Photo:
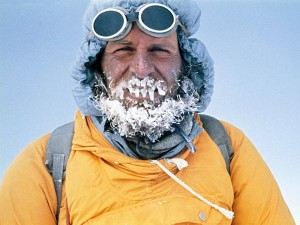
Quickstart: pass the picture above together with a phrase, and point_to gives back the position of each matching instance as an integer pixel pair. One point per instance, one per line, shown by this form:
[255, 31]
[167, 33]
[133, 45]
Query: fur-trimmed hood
[197, 60]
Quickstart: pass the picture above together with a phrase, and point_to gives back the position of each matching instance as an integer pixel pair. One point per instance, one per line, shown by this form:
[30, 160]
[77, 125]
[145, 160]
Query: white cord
[225, 212]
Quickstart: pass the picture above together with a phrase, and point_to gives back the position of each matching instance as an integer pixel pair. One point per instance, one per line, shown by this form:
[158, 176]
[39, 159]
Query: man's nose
[141, 65]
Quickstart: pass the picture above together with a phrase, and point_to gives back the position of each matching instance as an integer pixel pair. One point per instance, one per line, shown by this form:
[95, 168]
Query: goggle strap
[185, 30]
[131, 17]
[89, 36]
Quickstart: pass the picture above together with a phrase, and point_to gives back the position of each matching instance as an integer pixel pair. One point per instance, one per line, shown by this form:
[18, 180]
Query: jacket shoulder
[27, 188]
[253, 183]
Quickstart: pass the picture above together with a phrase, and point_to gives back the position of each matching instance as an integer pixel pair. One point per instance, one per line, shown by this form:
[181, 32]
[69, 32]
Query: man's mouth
[146, 88]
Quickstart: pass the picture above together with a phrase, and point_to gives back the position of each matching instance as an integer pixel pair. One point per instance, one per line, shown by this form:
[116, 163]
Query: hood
[196, 57]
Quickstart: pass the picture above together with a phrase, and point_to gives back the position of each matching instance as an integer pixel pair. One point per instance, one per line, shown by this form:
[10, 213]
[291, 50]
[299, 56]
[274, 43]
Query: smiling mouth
[146, 87]
[145, 94]
[140, 90]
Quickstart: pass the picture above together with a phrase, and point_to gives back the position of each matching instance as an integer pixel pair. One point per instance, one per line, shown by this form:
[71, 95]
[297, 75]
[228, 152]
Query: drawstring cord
[138, 145]
[228, 214]
[187, 140]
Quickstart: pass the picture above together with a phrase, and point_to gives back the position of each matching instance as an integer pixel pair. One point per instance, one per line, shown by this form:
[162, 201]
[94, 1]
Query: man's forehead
[149, 45]
[137, 36]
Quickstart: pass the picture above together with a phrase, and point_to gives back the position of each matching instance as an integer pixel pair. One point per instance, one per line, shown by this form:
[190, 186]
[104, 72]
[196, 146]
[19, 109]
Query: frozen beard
[148, 119]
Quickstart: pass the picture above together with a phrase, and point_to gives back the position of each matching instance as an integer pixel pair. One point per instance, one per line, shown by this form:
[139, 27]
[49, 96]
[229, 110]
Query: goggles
[154, 19]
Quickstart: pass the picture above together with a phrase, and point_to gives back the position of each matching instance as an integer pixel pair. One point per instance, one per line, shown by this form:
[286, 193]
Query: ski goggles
[154, 19]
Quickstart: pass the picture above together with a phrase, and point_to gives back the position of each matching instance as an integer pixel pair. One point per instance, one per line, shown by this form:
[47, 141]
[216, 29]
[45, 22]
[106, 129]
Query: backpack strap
[219, 135]
[57, 155]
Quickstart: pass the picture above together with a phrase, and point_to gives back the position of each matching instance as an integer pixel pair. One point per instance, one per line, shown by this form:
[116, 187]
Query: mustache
[147, 86]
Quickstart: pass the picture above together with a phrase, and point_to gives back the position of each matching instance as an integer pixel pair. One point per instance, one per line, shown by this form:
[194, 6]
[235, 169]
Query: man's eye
[158, 49]
[125, 49]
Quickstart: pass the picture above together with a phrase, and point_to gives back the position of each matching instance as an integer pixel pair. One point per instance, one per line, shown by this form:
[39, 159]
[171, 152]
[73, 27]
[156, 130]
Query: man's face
[141, 68]
[143, 78]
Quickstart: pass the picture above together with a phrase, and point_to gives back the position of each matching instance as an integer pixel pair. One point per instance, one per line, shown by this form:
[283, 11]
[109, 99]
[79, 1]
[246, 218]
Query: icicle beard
[146, 119]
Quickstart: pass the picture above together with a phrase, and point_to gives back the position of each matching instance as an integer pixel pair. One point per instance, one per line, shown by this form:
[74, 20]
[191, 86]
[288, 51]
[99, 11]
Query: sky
[255, 46]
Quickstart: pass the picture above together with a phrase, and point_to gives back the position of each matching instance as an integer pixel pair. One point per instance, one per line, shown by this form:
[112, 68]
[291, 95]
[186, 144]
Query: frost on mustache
[145, 119]
[145, 87]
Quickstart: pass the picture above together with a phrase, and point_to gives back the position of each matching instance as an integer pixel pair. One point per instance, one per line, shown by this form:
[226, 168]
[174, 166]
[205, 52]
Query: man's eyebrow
[164, 45]
[155, 45]
[122, 42]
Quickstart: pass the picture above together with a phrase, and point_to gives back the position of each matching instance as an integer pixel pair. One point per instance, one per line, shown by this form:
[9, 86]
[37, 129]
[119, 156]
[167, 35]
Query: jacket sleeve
[27, 194]
[257, 198]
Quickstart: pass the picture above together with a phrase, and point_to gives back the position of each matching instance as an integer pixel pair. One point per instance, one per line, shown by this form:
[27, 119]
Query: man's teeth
[137, 92]
[146, 86]
[161, 91]
[143, 83]
[144, 92]
[151, 95]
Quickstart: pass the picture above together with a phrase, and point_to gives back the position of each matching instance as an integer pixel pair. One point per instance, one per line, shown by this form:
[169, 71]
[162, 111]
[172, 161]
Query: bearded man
[139, 153]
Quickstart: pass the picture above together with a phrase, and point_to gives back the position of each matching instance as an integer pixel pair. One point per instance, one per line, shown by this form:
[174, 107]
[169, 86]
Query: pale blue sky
[255, 46]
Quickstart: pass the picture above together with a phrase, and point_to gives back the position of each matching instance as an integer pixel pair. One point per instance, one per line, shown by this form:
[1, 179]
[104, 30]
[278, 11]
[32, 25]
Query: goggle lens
[157, 18]
[108, 23]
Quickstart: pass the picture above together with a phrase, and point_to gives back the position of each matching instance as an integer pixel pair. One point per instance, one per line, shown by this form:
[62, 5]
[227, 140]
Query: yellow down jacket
[103, 186]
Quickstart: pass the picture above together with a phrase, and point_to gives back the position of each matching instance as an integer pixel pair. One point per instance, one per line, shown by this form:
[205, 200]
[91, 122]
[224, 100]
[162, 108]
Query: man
[139, 152]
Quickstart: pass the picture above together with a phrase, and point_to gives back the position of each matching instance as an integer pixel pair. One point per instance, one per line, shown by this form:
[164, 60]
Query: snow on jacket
[103, 186]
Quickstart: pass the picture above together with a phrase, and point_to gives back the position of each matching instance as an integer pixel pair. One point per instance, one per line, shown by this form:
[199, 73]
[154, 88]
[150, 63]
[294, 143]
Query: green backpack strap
[57, 155]
[219, 135]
